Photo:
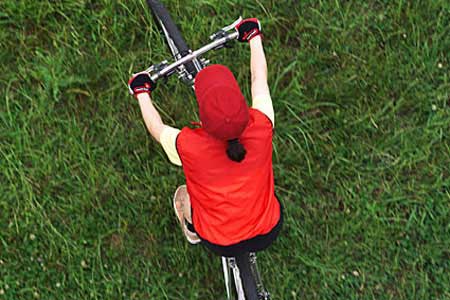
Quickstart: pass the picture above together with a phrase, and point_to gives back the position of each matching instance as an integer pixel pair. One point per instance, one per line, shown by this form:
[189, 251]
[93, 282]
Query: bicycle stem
[191, 56]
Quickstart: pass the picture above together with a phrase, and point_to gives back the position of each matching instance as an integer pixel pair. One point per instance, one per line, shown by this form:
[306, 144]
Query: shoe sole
[183, 226]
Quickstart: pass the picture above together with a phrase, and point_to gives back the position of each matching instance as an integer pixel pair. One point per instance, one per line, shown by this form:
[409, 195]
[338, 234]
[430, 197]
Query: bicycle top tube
[216, 43]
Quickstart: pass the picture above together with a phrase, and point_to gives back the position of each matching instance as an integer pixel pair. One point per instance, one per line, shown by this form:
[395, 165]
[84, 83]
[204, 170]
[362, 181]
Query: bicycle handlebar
[215, 44]
[219, 38]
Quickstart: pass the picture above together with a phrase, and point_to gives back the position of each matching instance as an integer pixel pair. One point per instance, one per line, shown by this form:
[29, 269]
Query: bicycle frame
[229, 265]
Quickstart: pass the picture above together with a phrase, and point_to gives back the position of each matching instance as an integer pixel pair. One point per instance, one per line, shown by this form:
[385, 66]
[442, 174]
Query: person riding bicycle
[228, 203]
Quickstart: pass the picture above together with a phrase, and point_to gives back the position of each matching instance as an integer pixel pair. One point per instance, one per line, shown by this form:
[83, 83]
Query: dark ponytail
[235, 150]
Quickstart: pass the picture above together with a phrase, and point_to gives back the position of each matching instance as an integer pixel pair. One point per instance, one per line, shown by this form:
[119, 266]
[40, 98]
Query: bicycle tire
[161, 14]
[245, 272]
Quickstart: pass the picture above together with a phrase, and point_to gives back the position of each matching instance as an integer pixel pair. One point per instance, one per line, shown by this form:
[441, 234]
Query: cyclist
[228, 203]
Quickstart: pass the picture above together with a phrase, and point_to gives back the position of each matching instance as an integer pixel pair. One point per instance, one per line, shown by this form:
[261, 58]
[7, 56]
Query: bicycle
[241, 270]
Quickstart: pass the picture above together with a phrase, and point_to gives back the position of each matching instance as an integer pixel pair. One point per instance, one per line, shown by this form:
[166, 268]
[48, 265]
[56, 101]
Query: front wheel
[175, 40]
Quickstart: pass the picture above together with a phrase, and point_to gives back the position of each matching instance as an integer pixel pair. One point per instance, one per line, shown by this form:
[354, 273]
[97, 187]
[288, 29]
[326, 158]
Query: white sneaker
[179, 200]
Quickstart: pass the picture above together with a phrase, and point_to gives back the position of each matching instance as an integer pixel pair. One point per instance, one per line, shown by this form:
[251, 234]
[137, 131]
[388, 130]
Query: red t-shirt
[231, 202]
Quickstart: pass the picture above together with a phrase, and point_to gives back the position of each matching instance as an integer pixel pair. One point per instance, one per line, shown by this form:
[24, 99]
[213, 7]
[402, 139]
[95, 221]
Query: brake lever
[223, 32]
[233, 25]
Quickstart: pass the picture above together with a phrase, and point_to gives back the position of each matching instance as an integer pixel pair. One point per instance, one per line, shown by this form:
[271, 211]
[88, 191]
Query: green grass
[361, 92]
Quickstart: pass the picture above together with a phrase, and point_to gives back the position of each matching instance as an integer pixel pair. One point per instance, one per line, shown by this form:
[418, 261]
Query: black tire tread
[161, 13]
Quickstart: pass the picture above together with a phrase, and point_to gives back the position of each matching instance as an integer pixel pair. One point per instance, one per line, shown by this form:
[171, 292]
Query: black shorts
[255, 244]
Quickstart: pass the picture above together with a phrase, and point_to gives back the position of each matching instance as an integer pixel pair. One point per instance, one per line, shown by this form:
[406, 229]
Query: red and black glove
[248, 29]
[141, 83]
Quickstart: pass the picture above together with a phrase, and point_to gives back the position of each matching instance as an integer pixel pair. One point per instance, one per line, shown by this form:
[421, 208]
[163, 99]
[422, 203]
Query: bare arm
[151, 116]
[261, 99]
[258, 66]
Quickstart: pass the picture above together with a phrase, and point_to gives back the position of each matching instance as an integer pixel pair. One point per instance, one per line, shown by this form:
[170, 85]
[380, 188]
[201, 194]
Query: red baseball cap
[223, 109]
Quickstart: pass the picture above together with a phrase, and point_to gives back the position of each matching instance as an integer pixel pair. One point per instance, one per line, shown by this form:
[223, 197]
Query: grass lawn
[361, 91]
